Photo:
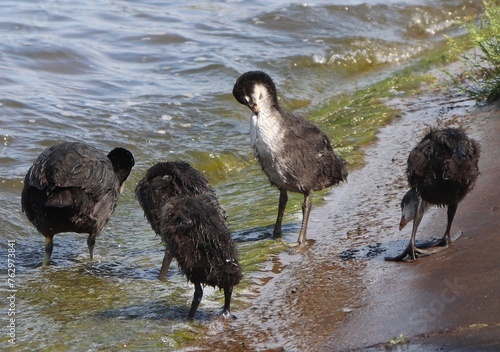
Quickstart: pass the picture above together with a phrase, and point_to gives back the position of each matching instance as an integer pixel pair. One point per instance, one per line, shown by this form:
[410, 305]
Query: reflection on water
[156, 78]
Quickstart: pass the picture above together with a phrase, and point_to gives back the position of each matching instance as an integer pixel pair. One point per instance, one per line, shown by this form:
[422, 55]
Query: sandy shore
[341, 295]
[450, 301]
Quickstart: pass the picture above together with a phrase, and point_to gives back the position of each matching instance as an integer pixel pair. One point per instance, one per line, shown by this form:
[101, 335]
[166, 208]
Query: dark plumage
[73, 187]
[160, 184]
[442, 169]
[183, 209]
[197, 235]
[293, 152]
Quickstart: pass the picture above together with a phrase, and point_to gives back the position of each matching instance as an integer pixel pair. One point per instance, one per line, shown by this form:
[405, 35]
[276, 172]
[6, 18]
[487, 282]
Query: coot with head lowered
[161, 183]
[293, 152]
[197, 235]
[183, 209]
[74, 187]
[441, 170]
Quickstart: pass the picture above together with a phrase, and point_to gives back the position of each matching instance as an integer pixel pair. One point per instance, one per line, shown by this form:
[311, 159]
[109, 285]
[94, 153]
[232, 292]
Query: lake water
[156, 78]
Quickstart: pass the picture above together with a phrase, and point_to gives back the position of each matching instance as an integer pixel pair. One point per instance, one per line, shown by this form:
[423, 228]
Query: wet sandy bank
[450, 301]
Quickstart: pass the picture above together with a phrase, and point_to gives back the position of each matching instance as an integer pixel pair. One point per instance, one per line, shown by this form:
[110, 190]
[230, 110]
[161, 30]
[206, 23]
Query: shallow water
[157, 78]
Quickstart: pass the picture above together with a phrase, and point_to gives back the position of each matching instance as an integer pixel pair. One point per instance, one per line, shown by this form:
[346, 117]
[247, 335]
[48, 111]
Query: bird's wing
[418, 167]
[314, 153]
[310, 134]
[73, 167]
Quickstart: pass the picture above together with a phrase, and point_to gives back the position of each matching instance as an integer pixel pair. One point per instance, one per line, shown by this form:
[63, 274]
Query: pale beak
[255, 108]
[402, 223]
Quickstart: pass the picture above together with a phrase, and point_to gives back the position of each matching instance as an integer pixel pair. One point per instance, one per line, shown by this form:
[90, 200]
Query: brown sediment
[341, 295]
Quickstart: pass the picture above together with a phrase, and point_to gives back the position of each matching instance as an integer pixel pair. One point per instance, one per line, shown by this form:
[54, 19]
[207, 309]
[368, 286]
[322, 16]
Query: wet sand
[340, 295]
[449, 301]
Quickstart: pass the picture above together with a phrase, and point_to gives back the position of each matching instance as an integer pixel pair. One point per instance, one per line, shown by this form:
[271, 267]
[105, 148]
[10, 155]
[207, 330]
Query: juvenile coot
[293, 152]
[73, 187]
[441, 170]
[160, 184]
[196, 234]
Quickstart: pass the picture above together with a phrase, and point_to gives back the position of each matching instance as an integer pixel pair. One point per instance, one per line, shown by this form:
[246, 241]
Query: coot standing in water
[293, 152]
[441, 170]
[197, 235]
[160, 184]
[183, 209]
[74, 187]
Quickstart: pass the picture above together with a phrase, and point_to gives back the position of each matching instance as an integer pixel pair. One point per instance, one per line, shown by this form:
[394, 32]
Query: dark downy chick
[164, 181]
[293, 152]
[74, 187]
[442, 169]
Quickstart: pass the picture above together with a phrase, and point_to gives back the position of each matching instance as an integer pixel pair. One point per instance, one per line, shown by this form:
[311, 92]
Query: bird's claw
[226, 314]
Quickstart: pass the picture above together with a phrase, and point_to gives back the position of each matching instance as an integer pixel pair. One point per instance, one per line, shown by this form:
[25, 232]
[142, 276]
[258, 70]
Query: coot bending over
[160, 184]
[196, 234]
[74, 187]
[441, 170]
[293, 152]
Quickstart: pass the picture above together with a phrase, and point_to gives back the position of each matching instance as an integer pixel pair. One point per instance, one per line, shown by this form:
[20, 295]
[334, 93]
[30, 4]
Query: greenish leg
[49, 246]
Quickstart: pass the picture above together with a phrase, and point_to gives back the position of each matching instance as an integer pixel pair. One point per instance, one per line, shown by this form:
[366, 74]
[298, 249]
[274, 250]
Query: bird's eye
[247, 99]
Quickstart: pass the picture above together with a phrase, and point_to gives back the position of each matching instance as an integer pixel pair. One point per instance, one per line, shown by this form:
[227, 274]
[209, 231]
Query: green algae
[353, 120]
[253, 254]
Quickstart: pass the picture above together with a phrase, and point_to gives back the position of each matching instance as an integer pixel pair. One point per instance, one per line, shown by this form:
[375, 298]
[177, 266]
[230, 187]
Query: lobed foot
[425, 249]
[436, 242]
[440, 242]
[299, 248]
[226, 314]
[419, 252]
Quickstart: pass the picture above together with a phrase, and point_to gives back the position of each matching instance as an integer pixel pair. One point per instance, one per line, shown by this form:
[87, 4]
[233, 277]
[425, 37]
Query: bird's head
[255, 89]
[123, 162]
[409, 207]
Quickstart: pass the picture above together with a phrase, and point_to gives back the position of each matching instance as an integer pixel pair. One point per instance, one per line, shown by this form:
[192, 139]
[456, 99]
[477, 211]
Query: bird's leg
[49, 246]
[412, 251]
[226, 311]
[306, 210]
[91, 244]
[446, 239]
[167, 259]
[198, 295]
[281, 211]
[452, 209]
[301, 241]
